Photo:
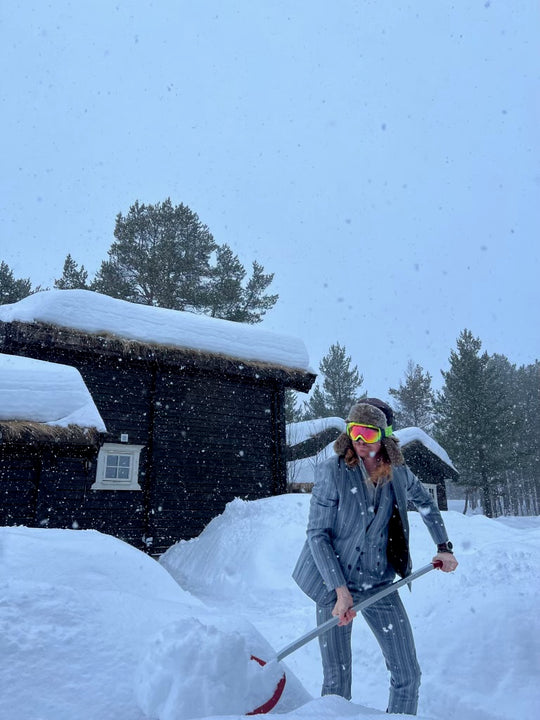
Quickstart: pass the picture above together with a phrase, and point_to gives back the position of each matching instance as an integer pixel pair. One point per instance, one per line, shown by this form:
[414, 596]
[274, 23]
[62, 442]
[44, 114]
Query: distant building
[193, 408]
[310, 442]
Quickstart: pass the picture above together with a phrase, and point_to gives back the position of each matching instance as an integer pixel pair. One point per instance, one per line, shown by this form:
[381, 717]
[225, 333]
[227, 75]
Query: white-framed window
[118, 467]
[432, 490]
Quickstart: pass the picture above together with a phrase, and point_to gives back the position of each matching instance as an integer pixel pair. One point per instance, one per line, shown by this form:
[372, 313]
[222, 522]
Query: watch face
[449, 545]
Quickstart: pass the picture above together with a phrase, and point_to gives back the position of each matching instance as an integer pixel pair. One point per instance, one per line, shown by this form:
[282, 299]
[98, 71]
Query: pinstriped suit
[359, 538]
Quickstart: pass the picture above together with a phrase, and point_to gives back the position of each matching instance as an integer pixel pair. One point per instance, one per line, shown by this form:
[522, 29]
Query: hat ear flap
[391, 445]
[342, 444]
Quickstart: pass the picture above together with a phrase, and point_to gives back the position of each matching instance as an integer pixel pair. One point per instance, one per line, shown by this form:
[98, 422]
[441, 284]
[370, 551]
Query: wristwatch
[445, 547]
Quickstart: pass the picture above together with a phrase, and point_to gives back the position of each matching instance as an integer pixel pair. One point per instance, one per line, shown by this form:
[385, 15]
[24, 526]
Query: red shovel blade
[273, 701]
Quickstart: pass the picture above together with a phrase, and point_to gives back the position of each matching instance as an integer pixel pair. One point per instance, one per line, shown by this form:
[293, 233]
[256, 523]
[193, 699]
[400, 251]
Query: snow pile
[45, 392]
[245, 549]
[93, 629]
[196, 670]
[94, 313]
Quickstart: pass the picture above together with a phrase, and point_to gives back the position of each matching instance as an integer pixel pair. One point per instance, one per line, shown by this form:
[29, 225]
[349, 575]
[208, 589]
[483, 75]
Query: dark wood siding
[19, 483]
[214, 439]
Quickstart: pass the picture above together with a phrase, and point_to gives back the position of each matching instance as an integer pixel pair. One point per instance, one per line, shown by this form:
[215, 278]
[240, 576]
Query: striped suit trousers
[389, 623]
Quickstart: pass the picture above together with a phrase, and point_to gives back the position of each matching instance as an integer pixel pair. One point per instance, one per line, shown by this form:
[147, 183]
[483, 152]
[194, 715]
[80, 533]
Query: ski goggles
[368, 433]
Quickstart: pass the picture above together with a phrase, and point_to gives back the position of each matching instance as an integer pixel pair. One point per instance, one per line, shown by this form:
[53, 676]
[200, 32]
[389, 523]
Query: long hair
[382, 473]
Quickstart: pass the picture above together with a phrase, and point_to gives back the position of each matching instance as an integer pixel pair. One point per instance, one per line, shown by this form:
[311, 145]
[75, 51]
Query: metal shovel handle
[324, 627]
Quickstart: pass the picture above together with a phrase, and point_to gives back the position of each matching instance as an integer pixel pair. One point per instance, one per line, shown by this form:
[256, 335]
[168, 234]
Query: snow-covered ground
[92, 629]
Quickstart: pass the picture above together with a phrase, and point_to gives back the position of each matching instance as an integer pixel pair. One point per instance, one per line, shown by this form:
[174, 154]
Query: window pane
[111, 473]
[124, 460]
[112, 460]
[123, 473]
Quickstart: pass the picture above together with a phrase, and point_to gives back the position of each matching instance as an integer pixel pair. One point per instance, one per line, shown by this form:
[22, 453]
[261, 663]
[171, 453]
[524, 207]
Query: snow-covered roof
[300, 431]
[93, 313]
[410, 434]
[44, 392]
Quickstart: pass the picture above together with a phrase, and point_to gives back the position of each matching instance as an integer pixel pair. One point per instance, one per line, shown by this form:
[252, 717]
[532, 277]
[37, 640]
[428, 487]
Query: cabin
[192, 408]
[310, 442]
[429, 462]
[49, 435]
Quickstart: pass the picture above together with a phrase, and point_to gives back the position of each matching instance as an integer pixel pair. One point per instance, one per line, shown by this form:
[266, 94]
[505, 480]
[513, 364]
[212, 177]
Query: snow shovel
[324, 627]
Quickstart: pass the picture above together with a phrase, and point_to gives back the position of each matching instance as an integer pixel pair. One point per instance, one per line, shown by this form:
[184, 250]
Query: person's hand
[449, 562]
[343, 607]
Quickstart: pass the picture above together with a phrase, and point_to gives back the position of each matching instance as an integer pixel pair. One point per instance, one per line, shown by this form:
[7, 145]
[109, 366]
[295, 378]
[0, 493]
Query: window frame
[110, 449]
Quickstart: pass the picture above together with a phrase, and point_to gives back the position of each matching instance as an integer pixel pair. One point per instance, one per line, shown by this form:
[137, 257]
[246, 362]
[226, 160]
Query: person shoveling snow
[357, 540]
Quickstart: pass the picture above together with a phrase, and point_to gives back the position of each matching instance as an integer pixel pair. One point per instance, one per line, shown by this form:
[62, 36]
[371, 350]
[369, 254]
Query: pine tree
[340, 387]
[12, 290]
[161, 256]
[470, 413]
[521, 491]
[293, 413]
[414, 399]
[255, 303]
[164, 255]
[73, 277]
[229, 299]
[527, 411]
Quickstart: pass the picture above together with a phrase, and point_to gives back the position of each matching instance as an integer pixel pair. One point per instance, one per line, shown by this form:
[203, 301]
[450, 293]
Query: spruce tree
[73, 277]
[293, 413]
[414, 399]
[255, 303]
[521, 492]
[470, 413]
[229, 298]
[340, 388]
[12, 290]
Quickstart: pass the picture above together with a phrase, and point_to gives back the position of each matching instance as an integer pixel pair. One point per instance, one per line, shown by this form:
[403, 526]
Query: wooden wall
[214, 439]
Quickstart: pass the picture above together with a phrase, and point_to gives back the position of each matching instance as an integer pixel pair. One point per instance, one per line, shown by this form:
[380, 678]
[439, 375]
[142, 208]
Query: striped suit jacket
[336, 531]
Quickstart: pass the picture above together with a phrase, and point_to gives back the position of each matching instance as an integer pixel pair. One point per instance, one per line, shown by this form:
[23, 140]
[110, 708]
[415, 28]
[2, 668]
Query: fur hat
[372, 412]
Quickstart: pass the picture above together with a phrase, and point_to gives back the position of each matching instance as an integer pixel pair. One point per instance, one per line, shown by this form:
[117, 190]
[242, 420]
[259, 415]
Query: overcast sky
[380, 157]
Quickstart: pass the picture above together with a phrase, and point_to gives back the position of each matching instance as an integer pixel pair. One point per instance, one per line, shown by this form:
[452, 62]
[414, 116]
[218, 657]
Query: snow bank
[94, 313]
[45, 392]
[236, 545]
[93, 629]
[478, 626]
